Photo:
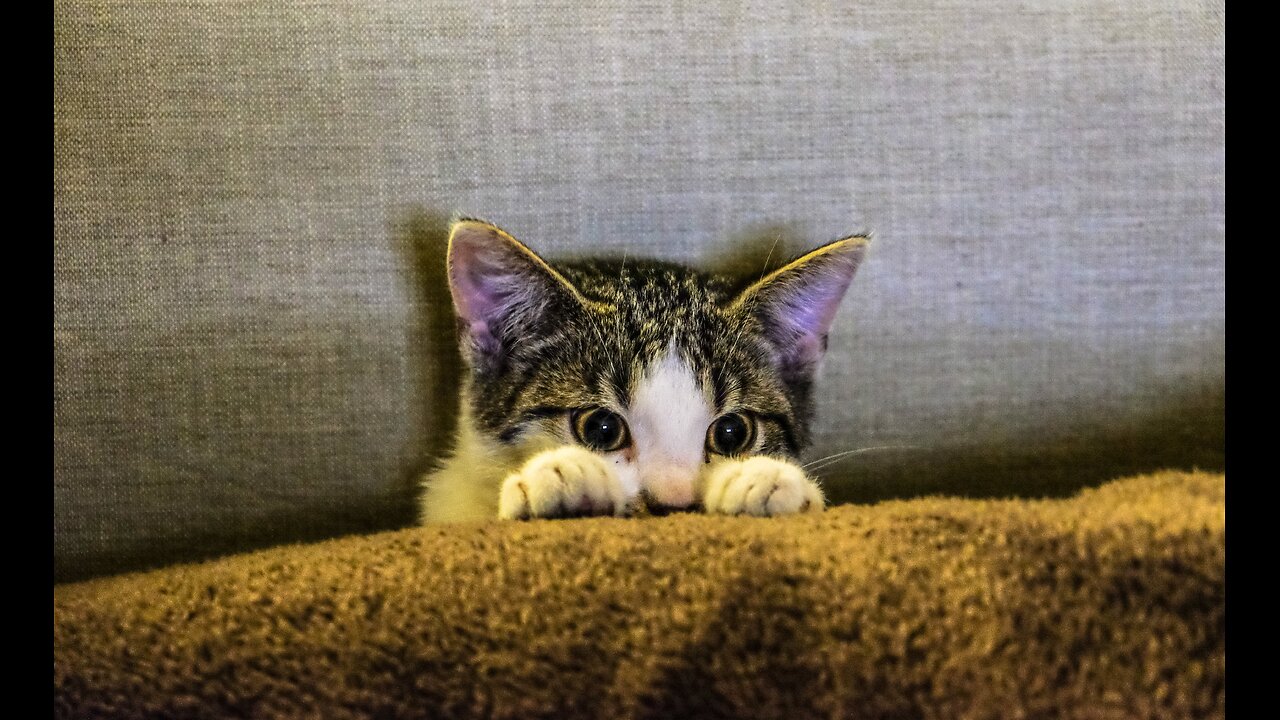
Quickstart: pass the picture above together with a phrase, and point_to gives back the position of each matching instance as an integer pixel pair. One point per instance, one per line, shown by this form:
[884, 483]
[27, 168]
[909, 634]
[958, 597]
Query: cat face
[659, 368]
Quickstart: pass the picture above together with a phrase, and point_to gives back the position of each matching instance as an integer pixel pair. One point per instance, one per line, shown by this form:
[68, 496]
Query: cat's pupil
[730, 434]
[600, 429]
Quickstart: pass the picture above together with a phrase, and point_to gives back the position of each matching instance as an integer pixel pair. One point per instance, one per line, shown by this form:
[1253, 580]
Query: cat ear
[797, 302]
[500, 288]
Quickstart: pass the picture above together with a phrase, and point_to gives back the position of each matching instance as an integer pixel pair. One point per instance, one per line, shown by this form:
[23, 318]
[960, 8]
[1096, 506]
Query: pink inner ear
[497, 284]
[477, 281]
[802, 310]
[811, 313]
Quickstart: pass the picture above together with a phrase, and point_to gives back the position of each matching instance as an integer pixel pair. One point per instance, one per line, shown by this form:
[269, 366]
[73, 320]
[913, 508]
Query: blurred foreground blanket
[1109, 604]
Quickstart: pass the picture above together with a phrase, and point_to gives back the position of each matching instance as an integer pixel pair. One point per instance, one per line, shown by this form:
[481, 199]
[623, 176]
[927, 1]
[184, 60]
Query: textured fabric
[251, 335]
[1107, 605]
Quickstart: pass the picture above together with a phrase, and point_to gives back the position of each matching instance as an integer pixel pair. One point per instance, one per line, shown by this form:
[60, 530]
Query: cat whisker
[829, 460]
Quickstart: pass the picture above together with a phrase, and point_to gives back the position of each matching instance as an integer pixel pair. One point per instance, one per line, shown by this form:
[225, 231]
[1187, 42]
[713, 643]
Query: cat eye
[730, 434]
[600, 429]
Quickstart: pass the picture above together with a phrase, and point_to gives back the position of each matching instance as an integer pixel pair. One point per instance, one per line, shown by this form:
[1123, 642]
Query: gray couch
[252, 338]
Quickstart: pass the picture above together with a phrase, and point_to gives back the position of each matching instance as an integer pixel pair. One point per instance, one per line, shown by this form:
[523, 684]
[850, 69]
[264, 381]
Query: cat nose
[669, 491]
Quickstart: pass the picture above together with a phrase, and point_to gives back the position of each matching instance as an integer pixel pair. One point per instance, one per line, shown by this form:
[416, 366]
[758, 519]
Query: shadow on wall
[418, 239]
[1187, 432]
[422, 241]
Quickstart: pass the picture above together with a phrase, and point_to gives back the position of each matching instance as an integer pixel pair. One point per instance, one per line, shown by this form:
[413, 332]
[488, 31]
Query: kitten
[602, 388]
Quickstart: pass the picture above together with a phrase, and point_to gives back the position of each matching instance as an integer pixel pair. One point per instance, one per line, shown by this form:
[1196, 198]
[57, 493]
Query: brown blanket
[1108, 604]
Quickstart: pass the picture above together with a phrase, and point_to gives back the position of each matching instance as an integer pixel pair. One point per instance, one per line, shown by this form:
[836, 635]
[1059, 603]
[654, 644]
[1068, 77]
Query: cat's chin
[761, 486]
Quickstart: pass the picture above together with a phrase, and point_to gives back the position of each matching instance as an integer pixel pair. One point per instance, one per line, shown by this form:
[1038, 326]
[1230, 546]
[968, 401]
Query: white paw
[761, 486]
[568, 481]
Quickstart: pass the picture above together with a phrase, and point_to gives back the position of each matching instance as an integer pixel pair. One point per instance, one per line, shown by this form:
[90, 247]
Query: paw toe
[566, 482]
[762, 486]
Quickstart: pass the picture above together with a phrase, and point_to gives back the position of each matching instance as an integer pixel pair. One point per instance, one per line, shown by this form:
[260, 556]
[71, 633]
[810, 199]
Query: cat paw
[565, 482]
[761, 486]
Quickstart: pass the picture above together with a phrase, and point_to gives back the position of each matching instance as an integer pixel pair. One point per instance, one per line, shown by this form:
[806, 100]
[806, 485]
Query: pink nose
[670, 489]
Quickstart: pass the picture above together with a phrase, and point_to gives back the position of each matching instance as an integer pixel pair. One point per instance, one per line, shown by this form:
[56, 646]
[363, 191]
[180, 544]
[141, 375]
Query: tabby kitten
[602, 388]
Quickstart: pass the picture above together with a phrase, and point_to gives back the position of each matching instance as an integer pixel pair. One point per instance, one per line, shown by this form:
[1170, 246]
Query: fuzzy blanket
[1109, 604]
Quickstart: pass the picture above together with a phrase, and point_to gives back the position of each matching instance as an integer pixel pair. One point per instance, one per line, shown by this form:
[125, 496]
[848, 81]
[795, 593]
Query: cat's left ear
[797, 303]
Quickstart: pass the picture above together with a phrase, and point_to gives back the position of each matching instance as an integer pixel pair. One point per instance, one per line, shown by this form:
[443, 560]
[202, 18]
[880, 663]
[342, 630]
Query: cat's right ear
[797, 303]
[501, 290]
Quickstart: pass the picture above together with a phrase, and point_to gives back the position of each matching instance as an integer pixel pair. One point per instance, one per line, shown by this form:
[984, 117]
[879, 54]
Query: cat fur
[666, 347]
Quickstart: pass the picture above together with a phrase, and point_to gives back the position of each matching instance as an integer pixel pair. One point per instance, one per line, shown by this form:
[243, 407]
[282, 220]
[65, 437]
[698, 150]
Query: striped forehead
[670, 411]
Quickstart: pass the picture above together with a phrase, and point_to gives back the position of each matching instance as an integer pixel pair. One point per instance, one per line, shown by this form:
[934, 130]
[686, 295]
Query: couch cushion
[252, 340]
